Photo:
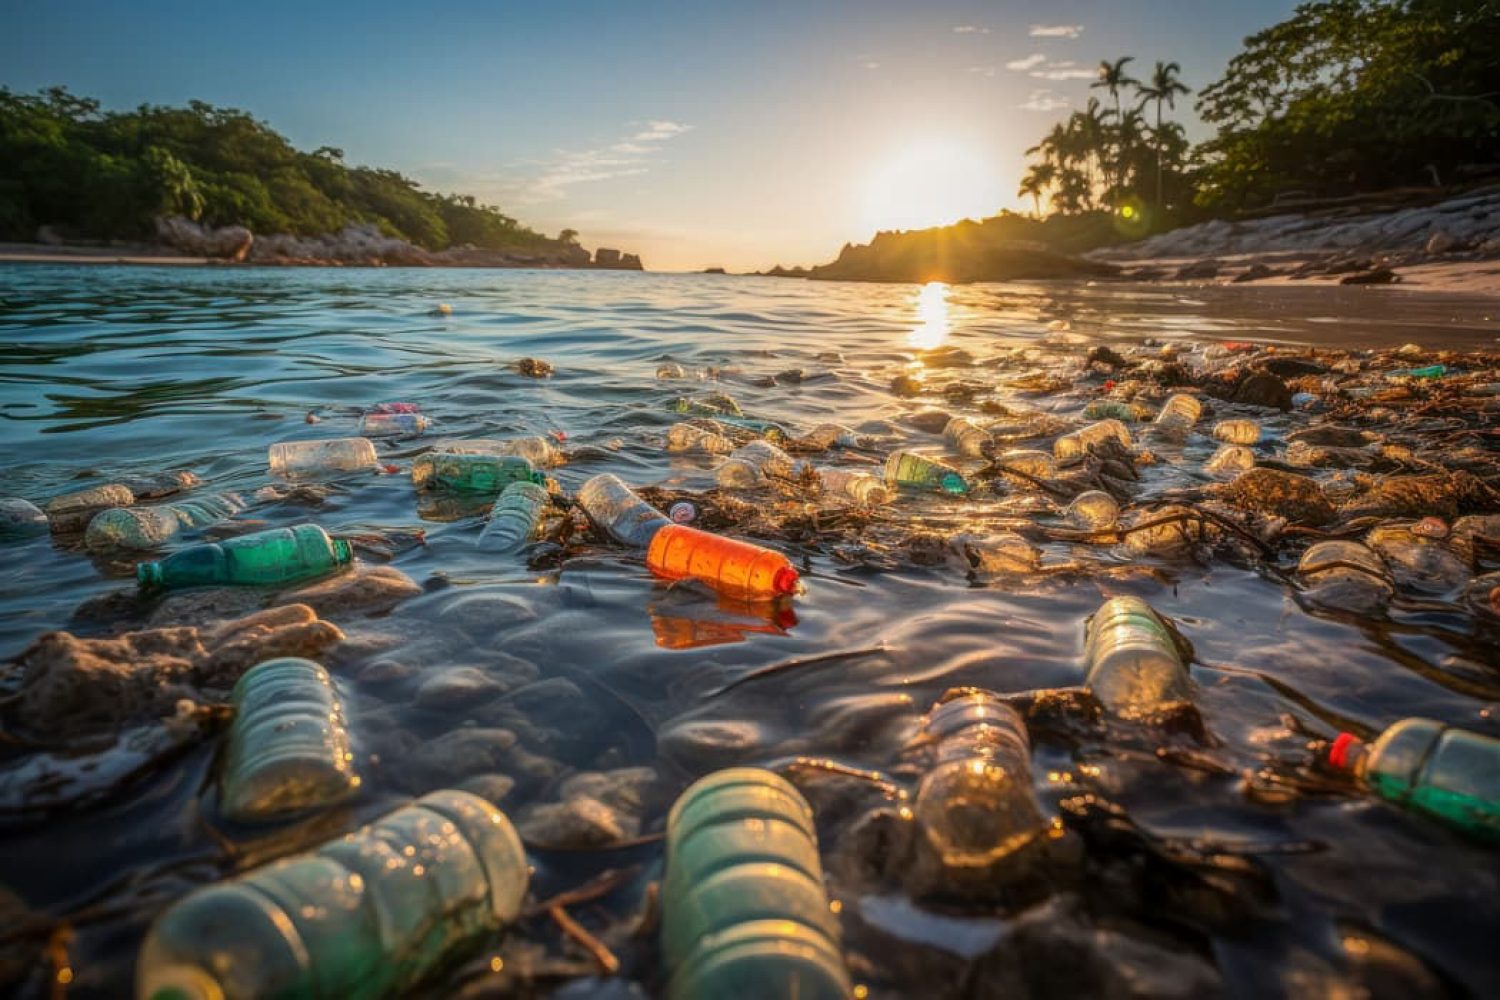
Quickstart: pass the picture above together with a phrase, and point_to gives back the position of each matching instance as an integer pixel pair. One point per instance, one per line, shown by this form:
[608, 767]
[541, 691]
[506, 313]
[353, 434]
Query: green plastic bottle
[1450, 774]
[288, 748]
[363, 917]
[514, 518]
[275, 556]
[907, 468]
[1134, 665]
[149, 527]
[744, 909]
[473, 473]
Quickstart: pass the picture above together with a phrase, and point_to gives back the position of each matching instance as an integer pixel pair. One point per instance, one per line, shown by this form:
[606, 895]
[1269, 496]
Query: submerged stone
[1284, 494]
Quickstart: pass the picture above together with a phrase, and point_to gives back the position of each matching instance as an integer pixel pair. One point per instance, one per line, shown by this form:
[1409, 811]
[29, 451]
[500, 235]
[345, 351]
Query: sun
[931, 182]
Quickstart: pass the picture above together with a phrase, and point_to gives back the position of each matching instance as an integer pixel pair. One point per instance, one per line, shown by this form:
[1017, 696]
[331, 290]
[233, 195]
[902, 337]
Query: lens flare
[1132, 218]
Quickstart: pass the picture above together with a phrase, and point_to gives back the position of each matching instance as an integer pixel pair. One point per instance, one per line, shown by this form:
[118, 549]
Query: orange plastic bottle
[737, 569]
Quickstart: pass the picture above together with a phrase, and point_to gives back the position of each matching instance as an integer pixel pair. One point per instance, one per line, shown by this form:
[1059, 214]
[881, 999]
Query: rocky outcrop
[938, 255]
[614, 260]
[227, 243]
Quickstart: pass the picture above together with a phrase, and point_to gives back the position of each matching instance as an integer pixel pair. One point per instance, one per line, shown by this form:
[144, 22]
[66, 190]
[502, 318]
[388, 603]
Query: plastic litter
[618, 512]
[1115, 409]
[689, 437]
[514, 518]
[1177, 417]
[1076, 444]
[394, 424]
[1133, 663]
[275, 556]
[967, 438]
[150, 527]
[472, 473]
[1450, 774]
[1093, 510]
[858, 486]
[907, 468]
[752, 464]
[305, 458]
[734, 568]
[20, 519]
[540, 452]
[1230, 460]
[1237, 431]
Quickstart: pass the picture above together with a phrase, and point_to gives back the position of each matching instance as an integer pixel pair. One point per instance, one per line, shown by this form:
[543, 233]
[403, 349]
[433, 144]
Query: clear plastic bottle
[858, 486]
[1093, 510]
[1230, 460]
[689, 437]
[21, 518]
[754, 463]
[150, 527]
[1028, 462]
[73, 511]
[825, 436]
[967, 438]
[744, 911]
[1133, 663]
[768, 429]
[1115, 409]
[907, 468]
[1177, 417]
[536, 449]
[1076, 444]
[617, 511]
[308, 458]
[472, 473]
[715, 404]
[365, 916]
[1237, 431]
[514, 518]
[393, 424]
[977, 806]
[275, 556]
[288, 748]
[742, 570]
[1450, 774]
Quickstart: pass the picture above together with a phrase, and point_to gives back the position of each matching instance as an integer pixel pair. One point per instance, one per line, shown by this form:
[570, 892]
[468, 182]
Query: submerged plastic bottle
[907, 468]
[713, 405]
[734, 568]
[1028, 462]
[744, 912]
[363, 917]
[1448, 773]
[398, 424]
[752, 464]
[20, 518]
[274, 556]
[1073, 445]
[617, 511]
[514, 518]
[472, 473]
[149, 527]
[1230, 460]
[826, 436]
[536, 449]
[288, 749]
[304, 458]
[976, 807]
[689, 437]
[1093, 510]
[1133, 663]
[967, 438]
[1115, 409]
[1177, 417]
[858, 486]
[1237, 431]
[73, 511]
[768, 429]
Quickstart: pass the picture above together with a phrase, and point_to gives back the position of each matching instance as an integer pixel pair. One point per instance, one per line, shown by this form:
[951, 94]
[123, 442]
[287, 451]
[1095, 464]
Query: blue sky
[704, 133]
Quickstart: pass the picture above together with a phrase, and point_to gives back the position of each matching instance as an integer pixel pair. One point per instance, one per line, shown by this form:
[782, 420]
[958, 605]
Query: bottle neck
[148, 574]
[343, 552]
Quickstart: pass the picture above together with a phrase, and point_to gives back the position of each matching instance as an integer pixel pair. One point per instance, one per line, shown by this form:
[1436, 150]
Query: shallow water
[128, 370]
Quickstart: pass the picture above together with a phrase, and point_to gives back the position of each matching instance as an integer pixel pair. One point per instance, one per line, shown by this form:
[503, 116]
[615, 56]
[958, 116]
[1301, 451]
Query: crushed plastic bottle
[1237, 431]
[907, 468]
[976, 807]
[151, 527]
[618, 512]
[755, 463]
[73, 511]
[472, 473]
[1093, 510]
[744, 912]
[1076, 444]
[274, 556]
[1133, 663]
[967, 438]
[858, 486]
[1115, 409]
[398, 424]
[1229, 461]
[514, 518]
[308, 458]
[366, 916]
[288, 748]
[1177, 418]
[1028, 462]
[1448, 773]
[690, 437]
[535, 449]
[737, 569]
[21, 518]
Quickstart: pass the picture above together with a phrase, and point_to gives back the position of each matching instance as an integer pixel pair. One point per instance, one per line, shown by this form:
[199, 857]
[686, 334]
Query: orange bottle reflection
[689, 627]
[731, 567]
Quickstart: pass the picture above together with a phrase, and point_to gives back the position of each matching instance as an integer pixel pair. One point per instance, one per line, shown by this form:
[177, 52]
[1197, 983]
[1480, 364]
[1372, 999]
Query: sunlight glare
[931, 183]
[932, 317]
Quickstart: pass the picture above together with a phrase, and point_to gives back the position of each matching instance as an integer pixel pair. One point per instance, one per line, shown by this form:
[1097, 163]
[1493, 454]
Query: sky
[698, 134]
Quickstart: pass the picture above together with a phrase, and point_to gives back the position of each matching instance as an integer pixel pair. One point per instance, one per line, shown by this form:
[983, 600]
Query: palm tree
[1112, 78]
[1039, 177]
[1092, 129]
[1164, 87]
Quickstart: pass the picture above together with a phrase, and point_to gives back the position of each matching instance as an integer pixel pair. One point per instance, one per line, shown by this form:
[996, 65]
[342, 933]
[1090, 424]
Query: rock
[230, 242]
[1483, 595]
[577, 823]
[1441, 242]
[1333, 436]
[455, 755]
[606, 257]
[706, 744]
[906, 387]
[385, 671]
[481, 615]
[367, 589]
[160, 484]
[206, 605]
[1263, 389]
[1377, 276]
[1103, 355]
[1256, 272]
[1310, 456]
[1198, 270]
[493, 788]
[1418, 562]
[1435, 495]
[20, 518]
[1283, 494]
[288, 630]
[456, 687]
[1293, 367]
[631, 262]
[534, 367]
[627, 790]
[72, 511]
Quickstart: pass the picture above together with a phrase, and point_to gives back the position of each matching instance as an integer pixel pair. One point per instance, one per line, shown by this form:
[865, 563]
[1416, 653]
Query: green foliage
[109, 175]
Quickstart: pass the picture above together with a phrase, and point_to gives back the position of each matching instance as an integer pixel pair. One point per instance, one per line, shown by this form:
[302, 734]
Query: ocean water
[116, 371]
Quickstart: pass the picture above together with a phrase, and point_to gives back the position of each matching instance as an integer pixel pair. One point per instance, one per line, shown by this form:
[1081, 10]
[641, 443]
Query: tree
[1113, 78]
[1039, 177]
[1163, 89]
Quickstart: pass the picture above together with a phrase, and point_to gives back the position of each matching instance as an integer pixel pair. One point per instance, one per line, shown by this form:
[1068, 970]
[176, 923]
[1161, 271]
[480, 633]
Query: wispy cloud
[1056, 30]
[1029, 62]
[1064, 69]
[551, 178]
[1044, 100]
[970, 29]
[984, 71]
[867, 61]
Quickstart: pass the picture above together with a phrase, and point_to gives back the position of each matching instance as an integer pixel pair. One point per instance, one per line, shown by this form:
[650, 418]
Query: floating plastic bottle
[713, 405]
[307, 458]
[393, 424]
[288, 749]
[617, 511]
[1448, 773]
[514, 518]
[1230, 460]
[1237, 431]
[536, 449]
[826, 436]
[150, 527]
[1093, 510]
[670, 370]
[1346, 575]
[754, 463]
[689, 437]
[858, 486]
[1430, 371]
[363, 917]
[767, 429]
[977, 807]
[73, 511]
[1115, 409]
[1133, 663]
[907, 468]
[734, 568]
[1177, 417]
[472, 473]
[1076, 444]
[967, 438]
[21, 519]
[275, 556]
[1028, 462]
[152, 485]
[744, 912]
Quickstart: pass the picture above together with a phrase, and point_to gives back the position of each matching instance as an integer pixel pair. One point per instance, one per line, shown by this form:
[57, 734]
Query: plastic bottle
[149, 527]
[1177, 417]
[754, 463]
[977, 806]
[688, 437]
[275, 556]
[1133, 663]
[967, 438]
[393, 424]
[514, 518]
[617, 511]
[1230, 460]
[73, 511]
[304, 458]
[21, 518]
[744, 911]
[1093, 510]
[826, 436]
[288, 749]
[907, 468]
[734, 568]
[768, 429]
[535, 449]
[472, 473]
[1028, 462]
[1115, 409]
[1448, 773]
[713, 405]
[858, 486]
[1073, 445]
[1237, 431]
[365, 916]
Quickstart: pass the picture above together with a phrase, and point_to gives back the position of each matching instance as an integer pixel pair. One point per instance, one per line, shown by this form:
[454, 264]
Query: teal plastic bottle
[473, 473]
[288, 748]
[907, 468]
[1450, 774]
[363, 917]
[744, 909]
[274, 556]
[514, 518]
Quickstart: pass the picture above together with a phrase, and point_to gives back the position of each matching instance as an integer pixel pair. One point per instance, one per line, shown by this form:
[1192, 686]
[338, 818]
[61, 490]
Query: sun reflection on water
[932, 316]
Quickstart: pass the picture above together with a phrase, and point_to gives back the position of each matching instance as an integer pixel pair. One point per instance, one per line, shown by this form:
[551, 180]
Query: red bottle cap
[1339, 752]
[785, 581]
